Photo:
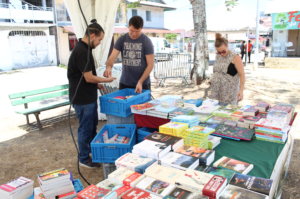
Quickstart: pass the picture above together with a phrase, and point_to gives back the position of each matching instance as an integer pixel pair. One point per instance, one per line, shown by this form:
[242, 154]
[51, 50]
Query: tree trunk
[122, 12]
[201, 53]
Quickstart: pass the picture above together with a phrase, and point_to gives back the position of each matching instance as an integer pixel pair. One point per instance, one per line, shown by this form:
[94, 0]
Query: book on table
[151, 149]
[118, 192]
[234, 192]
[179, 161]
[226, 173]
[126, 176]
[270, 124]
[213, 141]
[156, 187]
[137, 193]
[18, 187]
[279, 116]
[163, 173]
[206, 109]
[109, 184]
[234, 132]
[178, 193]
[250, 112]
[205, 156]
[262, 106]
[175, 142]
[134, 162]
[284, 108]
[234, 165]
[216, 120]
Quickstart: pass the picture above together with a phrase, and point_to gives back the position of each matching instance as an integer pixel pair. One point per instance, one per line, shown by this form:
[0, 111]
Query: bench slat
[40, 97]
[43, 108]
[39, 91]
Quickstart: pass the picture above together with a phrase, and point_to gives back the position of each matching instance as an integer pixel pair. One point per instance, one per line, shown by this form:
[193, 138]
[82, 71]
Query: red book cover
[91, 192]
[136, 194]
[122, 190]
[67, 194]
[287, 109]
[213, 186]
[127, 181]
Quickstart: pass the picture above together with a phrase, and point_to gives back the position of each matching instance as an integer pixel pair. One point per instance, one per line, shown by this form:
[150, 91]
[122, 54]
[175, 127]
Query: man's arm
[150, 65]
[110, 62]
[90, 78]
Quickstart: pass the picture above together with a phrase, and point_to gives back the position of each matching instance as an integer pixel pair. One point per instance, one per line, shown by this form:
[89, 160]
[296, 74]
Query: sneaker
[90, 164]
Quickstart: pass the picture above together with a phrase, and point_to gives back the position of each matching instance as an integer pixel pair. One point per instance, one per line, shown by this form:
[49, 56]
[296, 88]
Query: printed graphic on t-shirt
[132, 54]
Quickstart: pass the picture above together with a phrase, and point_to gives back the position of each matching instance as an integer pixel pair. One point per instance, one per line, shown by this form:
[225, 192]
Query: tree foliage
[171, 36]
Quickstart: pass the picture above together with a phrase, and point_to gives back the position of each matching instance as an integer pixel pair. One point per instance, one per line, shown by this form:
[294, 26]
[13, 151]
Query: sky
[182, 17]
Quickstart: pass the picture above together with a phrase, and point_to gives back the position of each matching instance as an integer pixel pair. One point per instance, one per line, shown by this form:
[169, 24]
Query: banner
[286, 20]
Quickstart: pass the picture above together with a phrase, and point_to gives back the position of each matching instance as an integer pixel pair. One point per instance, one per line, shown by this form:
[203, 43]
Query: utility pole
[183, 42]
[246, 50]
[256, 37]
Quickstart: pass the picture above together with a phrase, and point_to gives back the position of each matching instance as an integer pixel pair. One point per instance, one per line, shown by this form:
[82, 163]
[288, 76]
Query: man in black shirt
[85, 101]
[242, 49]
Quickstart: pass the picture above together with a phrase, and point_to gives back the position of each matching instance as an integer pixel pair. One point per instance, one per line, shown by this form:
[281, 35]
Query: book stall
[180, 148]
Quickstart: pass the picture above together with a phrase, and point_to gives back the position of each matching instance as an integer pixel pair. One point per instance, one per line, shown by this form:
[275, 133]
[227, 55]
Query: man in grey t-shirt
[137, 57]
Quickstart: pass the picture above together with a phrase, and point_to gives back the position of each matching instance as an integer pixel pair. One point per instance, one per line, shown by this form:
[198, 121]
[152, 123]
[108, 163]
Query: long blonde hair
[220, 41]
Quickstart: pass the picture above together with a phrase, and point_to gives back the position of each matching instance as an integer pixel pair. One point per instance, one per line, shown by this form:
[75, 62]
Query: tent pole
[256, 37]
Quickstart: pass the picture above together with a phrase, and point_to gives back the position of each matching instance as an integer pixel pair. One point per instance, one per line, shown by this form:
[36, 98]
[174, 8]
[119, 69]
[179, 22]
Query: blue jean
[87, 130]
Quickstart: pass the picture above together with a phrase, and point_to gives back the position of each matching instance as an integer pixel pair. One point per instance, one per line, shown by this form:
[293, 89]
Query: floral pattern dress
[224, 87]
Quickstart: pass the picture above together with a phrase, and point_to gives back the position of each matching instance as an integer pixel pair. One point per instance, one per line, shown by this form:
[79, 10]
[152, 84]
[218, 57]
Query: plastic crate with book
[109, 152]
[111, 104]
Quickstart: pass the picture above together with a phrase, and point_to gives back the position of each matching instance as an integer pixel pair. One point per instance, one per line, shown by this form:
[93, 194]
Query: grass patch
[62, 66]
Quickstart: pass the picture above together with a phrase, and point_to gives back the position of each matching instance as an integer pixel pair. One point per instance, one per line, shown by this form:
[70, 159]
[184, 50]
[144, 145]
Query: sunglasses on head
[223, 52]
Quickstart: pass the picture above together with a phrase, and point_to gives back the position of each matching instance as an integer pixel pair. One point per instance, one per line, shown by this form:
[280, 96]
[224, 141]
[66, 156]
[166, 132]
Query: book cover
[216, 120]
[136, 193]
[134, 162]
[228, 174]
[252, 183]
[193, 181]
[163, 138]
[54, 174]
[91, 192]
[225, 111]
[119, 193]
[277, 107]
[179, 161]
[214, 187]
[232, 192]
[208, 109]
[143, 107]
[38, 194]
[178, 193]
[250, 112]
[166, 174]
[282, 133]
[126, 176]
[109, 184]
[15, 185]
[252, 119]
[235, 165]
[182, 111]
[265, 123]
[261, 106]
[204, 155]
[151, 149]
[278, 116]
[263, 114]
[71, 194]
[234, 132]
[156, 187]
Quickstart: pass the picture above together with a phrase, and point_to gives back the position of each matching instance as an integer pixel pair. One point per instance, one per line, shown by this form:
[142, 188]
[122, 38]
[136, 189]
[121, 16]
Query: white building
[27, 34]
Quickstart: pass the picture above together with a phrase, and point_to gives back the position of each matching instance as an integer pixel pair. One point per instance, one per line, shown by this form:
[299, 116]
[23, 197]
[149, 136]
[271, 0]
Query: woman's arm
[240, 69]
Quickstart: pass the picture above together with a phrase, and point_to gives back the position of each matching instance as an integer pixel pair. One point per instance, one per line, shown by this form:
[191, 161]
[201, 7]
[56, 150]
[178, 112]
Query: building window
[72, 41]
[148, 16]
[134, 12]
[26, 33]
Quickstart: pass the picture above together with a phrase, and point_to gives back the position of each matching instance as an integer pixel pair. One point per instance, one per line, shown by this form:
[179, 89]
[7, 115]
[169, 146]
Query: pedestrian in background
[248, 49]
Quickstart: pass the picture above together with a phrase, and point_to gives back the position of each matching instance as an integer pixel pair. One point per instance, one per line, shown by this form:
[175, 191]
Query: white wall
[64, 46]
[5, 55]
[157, 16]
[282, 37]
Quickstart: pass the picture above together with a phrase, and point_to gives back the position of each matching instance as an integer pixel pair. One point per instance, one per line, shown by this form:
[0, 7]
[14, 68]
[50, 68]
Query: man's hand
[139, 88]
[101, 87]
[111, 79]
[240, 95]
[107, 73]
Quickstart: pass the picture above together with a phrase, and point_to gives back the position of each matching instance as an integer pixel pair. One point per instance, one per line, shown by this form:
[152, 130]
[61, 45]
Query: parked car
[175, 48]
[238, 48]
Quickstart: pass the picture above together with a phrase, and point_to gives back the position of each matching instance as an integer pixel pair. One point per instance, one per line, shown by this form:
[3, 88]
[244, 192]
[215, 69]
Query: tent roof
[278, 6]
[155, 4]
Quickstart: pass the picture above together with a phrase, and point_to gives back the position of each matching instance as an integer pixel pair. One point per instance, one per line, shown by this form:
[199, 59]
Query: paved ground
[29, 152]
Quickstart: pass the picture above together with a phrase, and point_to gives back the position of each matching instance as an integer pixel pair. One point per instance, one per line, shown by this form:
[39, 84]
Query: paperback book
[178, 193]
[179, 161]
[231, 192]
[250, 112]
[270, 124]
[228, 174]
[137, 193]
[279, 116]
[252, 183]
[163, 173]
[134, 162]
[181, 111]
[53, 176]
[206, 109]
[262, 107]
[234, 165]
[151, 149]
[175, 142]
[15, 186]
[205, 156]
[202, 117]
[156, 187]
[213, 141]
[109, 184]
[126, 176]
[234, 132]
[216, 120]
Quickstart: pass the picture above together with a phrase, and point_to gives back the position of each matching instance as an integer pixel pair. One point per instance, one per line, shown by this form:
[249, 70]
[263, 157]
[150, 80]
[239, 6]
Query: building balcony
[25, 13]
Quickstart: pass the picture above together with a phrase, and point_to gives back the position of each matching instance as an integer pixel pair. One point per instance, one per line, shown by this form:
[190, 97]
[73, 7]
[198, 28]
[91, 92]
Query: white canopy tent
[105, 13]
[278, 6]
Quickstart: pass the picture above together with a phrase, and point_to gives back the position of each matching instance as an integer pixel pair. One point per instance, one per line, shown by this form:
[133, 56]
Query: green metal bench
[38, 95]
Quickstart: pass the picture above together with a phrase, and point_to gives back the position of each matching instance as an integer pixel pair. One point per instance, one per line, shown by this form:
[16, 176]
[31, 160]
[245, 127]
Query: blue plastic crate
[119, 107]
[77, 185]
[110, 152]
[143, 132]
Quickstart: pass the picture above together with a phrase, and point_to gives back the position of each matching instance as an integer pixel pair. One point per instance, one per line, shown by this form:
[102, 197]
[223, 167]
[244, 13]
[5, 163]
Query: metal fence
[170, 65]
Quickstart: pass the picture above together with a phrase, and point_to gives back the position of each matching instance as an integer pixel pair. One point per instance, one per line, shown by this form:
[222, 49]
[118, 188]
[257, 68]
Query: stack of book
[168, 103]
[279, 116]
[232, 121]
[205, 156]
[181, 111]
[179, 161]
[239, 113]
[173, 141]
[161, 112]
[202, 183]
[226, 111]
[206, 109]
[126, 176]
[193, 103]
[262, 106]
[241, 123]
[173, 128]
[202, 117]
[180, 102]
[197, 136]
[288, 105]
[190, 120]
[250, 112]
[55, 183]
[216, 120]
[151, 149]
[92, 192]
[142, 108]
[271, 131]
[18, 188]
[251, 120]
[156, 187]
[210, 102]
[134, 162]
[213, 141]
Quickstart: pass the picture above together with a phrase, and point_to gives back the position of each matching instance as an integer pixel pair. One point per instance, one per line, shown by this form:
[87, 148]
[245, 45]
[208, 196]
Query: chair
[276, 48]
[288, 49]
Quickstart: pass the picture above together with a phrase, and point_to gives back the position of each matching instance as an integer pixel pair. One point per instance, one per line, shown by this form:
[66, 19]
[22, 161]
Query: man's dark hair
[137, 22]
[249, 41]
[243, 42]
[94, 28]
